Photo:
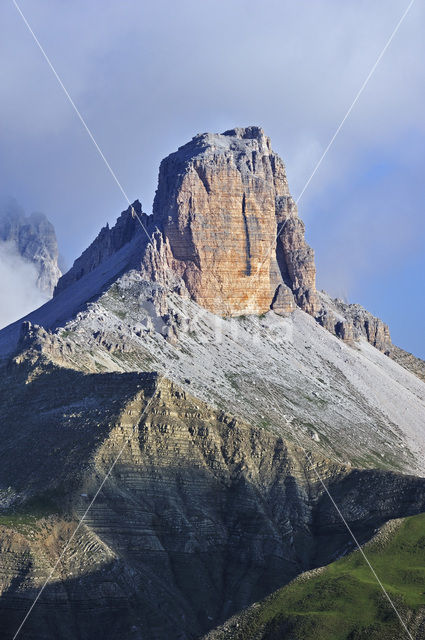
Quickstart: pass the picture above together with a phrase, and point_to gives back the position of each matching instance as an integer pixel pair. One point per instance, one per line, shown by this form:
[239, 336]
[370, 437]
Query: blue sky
[148, 76]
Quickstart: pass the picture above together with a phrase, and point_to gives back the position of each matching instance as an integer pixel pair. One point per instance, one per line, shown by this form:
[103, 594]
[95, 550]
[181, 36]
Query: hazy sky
[147, 76]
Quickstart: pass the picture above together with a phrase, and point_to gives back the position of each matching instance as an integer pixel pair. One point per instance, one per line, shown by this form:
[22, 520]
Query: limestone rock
[283, 301]
[216, 204]
[352, 321]
[220, 202]
[295, 257]
[225, 232]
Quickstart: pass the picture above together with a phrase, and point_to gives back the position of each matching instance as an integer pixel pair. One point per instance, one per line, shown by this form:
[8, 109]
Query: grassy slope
[344, 601]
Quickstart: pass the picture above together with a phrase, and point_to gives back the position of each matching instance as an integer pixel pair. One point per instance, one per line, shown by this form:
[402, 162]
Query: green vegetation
[113, 292]
[264, 423]
[27, 515]
[232, 378]
[344, 601]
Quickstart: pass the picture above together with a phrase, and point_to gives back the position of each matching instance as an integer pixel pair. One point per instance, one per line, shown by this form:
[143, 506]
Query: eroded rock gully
[201, 516]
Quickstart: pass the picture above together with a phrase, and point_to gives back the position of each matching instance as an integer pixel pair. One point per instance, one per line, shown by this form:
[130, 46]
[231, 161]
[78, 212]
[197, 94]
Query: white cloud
[18, 291]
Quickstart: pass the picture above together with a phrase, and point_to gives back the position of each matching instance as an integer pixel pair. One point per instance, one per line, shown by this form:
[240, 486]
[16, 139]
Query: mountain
[188, 355]
[33, 238]
[341, 601]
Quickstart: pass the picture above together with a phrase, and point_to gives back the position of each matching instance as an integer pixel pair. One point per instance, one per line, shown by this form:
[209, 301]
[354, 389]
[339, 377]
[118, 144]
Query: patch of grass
[232, 377]
[121, 314]
[344, 601]
[264, 423]
[114, 292]
[27, 514]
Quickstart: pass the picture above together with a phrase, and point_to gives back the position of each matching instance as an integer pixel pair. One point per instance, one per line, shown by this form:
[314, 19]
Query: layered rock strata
[225, 231]
[201, 514]
[221, 202]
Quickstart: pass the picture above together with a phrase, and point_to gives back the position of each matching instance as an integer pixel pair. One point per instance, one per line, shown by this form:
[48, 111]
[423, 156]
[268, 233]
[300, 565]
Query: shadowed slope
[201, 516]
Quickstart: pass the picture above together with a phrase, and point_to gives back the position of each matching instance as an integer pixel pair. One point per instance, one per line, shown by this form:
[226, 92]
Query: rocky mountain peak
[225, 232]
[221, 200]
[33, 238]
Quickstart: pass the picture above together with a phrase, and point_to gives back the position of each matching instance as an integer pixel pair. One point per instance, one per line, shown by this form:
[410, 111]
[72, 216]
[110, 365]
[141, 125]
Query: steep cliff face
[226, 232]
[220, 203]
[220, 199]
[34, 239]
[295, 257]
[201, 514]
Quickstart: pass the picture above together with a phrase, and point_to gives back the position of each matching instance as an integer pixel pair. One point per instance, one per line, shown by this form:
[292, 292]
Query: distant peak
[245, 133]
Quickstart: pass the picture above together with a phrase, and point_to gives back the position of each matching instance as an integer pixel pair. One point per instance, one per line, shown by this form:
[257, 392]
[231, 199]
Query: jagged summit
[108, 242]
[33, 237]
[224, 232]
[141, 400]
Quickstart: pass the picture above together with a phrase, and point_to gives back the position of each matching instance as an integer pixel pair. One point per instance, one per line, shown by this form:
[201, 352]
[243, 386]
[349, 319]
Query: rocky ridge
[226, 232]
[212, 503]
[351, 404]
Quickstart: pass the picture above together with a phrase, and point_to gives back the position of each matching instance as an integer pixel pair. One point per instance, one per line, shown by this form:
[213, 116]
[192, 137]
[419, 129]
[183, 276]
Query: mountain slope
[343, 601]
[201, 515]
[352, 404]
[194, 370]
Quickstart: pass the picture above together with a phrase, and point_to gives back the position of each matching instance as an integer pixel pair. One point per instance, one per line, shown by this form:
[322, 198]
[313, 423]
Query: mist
[18, 289]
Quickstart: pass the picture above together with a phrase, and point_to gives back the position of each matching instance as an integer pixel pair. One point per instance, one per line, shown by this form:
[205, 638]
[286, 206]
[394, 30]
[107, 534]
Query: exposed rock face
[349, 402]
[200, 512]
[351, 321]
[34, 239]
[220, 199]
[225, 231]
[294, 256]
[201, 515]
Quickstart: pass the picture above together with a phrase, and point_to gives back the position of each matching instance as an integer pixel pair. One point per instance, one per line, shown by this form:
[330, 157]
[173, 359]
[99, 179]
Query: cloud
[18, 291]
[149, 76]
